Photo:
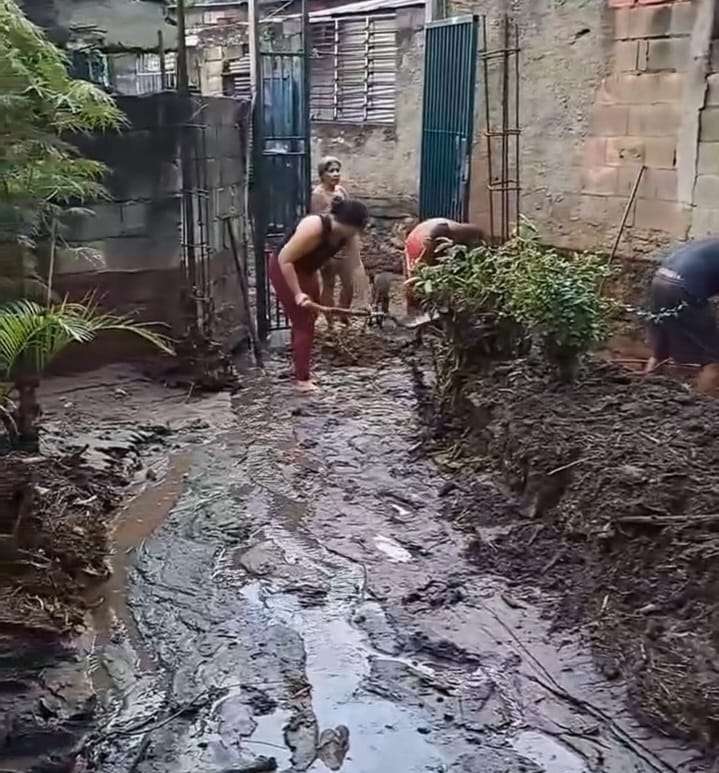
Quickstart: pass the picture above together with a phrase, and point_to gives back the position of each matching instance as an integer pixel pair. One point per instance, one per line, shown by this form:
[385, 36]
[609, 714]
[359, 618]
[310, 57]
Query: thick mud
[611, 507]
[305, 607]
[289, 595]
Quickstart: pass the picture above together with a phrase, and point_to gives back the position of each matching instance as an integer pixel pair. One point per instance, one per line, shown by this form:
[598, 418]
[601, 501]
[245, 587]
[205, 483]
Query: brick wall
[606, 87]
[636, 121]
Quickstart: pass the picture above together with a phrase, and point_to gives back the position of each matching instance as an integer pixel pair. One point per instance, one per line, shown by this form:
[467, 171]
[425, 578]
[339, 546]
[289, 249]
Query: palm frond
[32, 335]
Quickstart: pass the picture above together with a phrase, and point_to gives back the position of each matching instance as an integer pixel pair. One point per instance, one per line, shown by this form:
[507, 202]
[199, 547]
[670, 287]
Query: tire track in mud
[306, 608]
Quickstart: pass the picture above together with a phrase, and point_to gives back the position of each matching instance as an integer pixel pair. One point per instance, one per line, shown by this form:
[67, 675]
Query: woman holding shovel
[295, 273]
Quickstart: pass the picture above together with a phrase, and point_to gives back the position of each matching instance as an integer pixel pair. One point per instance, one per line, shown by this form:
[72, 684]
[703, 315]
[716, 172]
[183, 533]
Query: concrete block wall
[607, 87]
[636, 121]
[137, 235]
[705, 221]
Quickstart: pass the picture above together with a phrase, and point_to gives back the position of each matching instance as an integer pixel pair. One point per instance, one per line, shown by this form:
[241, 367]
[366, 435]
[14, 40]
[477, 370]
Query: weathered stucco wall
[135, 239]
[609, 86]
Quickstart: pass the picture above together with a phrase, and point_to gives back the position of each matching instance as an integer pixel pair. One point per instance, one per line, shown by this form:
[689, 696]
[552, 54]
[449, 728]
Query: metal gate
[282, 172]
[450, 67]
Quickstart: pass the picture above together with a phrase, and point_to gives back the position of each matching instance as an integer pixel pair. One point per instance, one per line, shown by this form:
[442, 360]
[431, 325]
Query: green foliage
[502, 296]
[31, 335]
[559, 299]
[40, 108]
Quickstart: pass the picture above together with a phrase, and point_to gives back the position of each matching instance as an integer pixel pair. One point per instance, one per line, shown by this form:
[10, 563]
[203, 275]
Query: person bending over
[347, 265]
[295, 273]
[684, 326]
[420, 247]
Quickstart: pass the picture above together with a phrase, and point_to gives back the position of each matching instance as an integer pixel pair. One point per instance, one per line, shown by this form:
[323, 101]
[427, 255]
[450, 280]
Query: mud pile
[616, 511]
[54, 514]
[356, 345]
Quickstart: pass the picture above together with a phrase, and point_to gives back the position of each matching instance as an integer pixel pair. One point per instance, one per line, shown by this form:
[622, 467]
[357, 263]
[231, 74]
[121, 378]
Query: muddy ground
[613, 507]
[288, 594]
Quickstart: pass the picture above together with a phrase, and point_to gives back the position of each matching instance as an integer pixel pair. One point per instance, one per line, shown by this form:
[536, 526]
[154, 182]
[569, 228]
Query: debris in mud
[202, 366]
[55, 514]
[353, 346]
[615, 511]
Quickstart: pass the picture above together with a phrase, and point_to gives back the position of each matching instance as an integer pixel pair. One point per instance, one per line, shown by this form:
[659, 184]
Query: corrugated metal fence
[448, 117]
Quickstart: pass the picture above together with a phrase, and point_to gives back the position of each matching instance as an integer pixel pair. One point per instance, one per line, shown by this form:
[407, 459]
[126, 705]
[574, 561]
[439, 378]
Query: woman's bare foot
[306, 387]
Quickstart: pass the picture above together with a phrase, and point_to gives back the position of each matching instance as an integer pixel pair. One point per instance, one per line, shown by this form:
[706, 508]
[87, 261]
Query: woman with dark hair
[347, 265]
[295, 273]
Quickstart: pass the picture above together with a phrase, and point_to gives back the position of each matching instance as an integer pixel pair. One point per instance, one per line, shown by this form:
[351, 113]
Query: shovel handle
[338, 310]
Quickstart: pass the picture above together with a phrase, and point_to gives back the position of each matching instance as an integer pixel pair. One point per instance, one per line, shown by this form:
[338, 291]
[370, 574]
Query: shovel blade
[422, 319]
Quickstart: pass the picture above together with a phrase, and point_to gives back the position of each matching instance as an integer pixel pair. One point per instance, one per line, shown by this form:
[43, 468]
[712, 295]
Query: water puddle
[137, 521]
[548, 753]
[392, 549]
[269, 737]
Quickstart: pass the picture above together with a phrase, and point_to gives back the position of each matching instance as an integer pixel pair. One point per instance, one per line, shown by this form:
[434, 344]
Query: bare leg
[327, 297]
[347, 288]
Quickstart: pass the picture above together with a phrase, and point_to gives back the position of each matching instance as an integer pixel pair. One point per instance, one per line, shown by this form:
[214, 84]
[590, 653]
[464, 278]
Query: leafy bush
[559, 299]
[40, 107]
[493, 300]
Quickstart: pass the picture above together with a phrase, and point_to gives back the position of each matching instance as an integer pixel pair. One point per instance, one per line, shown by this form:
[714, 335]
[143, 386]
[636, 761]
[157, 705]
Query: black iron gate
[282, 174]
[450, 67]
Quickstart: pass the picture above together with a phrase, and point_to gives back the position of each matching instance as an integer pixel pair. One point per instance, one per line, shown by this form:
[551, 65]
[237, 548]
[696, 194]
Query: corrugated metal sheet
[447, 118]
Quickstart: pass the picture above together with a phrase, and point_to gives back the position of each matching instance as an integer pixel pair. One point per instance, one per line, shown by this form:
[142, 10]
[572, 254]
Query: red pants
[302, 320]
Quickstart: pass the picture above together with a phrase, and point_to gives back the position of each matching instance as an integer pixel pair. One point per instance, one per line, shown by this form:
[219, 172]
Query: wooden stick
[625, 216]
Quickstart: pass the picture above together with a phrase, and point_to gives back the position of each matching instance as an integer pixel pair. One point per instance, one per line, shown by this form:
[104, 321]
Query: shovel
[408, 324]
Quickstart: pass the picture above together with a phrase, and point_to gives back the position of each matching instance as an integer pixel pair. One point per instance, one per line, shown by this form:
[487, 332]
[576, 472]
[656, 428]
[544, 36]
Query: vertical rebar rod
[487, 129]
[516, 123]
[335, 72]
[505, 130]
[188, 213]
[365, 89]
[258, 143]
[163, 65]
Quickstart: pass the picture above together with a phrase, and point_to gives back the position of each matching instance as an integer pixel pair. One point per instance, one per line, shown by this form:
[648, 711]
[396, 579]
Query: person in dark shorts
[684, 327]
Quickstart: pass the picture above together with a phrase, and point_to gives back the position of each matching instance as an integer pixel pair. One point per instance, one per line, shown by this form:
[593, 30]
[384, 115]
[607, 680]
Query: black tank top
[697, 264]
[313, 261]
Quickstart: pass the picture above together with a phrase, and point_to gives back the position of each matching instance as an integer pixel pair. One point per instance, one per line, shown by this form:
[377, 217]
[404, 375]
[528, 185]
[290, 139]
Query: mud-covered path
[303, 607]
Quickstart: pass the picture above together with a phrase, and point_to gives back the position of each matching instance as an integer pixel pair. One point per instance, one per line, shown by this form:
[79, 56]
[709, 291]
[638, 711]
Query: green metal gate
[450, 67]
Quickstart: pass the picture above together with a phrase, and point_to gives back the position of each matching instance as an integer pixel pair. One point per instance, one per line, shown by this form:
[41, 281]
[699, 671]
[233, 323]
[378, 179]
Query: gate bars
[281, 149]
[503, 183]
[447, 117]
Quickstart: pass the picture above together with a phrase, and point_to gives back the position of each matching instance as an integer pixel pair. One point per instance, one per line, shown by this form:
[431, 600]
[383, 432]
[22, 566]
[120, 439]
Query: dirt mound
[616, 510]
[355, 346]
[54, 514]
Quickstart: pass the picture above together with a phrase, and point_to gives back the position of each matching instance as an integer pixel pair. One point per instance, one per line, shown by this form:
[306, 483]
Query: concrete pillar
[693, 99]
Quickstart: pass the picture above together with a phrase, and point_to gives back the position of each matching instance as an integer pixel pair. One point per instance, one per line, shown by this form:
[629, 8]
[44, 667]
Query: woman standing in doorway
[295, 273]
[347, 264]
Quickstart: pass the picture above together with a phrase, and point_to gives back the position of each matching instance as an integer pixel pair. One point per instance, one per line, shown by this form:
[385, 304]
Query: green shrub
[492, 300]
[559, 299]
